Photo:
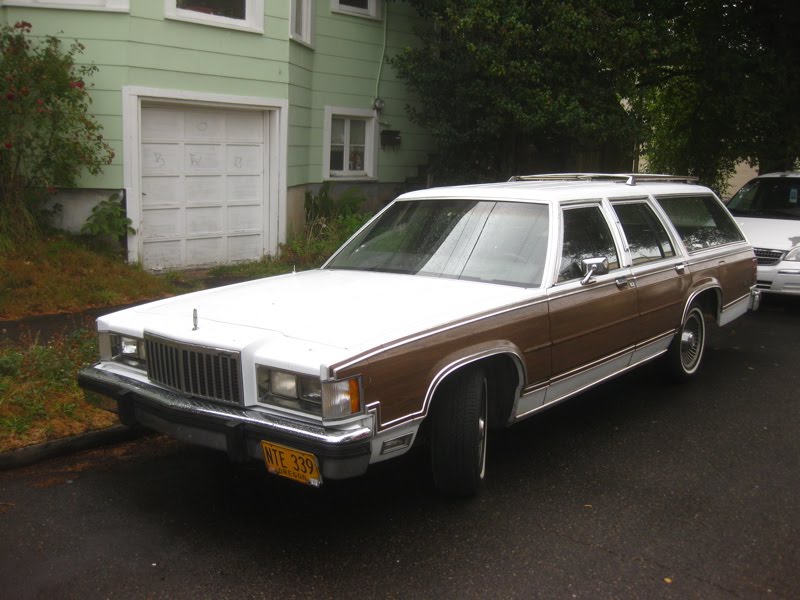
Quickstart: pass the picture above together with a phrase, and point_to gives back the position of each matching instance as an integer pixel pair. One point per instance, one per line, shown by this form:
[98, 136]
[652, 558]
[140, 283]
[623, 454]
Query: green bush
[47, 136]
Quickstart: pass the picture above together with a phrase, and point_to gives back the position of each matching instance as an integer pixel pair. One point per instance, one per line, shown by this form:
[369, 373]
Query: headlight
[127, 350]
[329, 399]
[793, 254]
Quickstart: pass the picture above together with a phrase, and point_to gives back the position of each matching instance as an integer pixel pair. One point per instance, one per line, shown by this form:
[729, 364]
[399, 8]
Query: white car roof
[780, 174]
[566, 186]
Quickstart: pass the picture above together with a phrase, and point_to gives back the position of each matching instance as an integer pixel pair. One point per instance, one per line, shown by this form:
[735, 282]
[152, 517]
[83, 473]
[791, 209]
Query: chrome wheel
[692, 340]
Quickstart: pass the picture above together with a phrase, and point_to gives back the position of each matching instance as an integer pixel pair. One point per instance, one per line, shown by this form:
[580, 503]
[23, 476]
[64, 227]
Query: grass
[39, 397]
[65, 273]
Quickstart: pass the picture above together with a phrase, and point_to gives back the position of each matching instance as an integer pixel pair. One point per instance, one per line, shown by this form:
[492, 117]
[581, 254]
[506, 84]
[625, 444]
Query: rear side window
[647, 238]
[586, 235]
[701, 221]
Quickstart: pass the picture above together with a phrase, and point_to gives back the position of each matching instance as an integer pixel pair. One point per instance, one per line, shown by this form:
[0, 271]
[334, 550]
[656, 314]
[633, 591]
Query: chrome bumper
[235, 430]
[755, 298]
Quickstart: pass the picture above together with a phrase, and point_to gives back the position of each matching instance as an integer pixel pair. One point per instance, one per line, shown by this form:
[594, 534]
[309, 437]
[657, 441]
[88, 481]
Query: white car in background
[767, 209]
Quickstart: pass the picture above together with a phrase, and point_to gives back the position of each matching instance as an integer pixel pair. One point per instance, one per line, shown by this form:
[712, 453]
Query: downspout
[383, 55]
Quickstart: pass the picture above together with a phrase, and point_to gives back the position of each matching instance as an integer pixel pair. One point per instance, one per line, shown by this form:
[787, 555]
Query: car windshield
[776, 198]
[495, 242]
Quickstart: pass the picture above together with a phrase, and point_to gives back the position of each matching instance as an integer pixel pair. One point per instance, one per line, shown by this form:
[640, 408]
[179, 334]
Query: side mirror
[597, 265]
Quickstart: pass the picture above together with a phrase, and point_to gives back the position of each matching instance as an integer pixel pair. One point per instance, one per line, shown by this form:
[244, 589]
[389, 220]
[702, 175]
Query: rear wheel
[685, 354]
[458, 433]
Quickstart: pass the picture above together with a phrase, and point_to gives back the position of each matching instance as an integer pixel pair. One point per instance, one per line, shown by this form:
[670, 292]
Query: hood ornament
[194, 320]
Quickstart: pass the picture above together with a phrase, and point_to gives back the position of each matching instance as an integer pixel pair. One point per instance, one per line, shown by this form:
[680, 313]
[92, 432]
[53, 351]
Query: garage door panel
[245, 159]
[244, 218]
[200, 158]
[163, 255]
[242, 247]
[204, 125]
[205, 189]
[162, 222]
[162, 124]
[204, 220]
[245, 127]
[161, 191]
[205, 251]
[161, 159]
[244, 187]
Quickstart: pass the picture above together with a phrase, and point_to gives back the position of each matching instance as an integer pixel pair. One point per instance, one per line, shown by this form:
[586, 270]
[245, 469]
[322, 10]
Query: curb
[29, 455]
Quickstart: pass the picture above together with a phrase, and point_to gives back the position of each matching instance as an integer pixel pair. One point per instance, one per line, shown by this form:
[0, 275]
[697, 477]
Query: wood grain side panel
[662, 296]
[399, 377]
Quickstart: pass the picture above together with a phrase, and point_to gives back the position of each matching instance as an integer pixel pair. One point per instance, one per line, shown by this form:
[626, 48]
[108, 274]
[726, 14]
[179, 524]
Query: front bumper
[341, 453]
[783, 278]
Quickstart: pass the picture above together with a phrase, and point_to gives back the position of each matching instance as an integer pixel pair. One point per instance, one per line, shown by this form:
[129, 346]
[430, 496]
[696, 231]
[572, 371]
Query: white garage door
[203, 173]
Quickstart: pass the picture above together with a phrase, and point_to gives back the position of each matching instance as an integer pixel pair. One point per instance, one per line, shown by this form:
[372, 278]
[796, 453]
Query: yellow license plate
[291, 463]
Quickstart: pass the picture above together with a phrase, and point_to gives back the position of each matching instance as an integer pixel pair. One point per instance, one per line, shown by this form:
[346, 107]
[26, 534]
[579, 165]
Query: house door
[203, 173]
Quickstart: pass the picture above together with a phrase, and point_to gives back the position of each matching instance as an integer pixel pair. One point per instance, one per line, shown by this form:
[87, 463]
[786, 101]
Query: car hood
[346, 310]
[777, 234]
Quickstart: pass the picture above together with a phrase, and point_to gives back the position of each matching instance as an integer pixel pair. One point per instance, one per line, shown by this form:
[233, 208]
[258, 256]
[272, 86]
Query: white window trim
[307, 36]
[99, 5]
[254, 21]
[276, 110]
[370, 143]
[373, 12]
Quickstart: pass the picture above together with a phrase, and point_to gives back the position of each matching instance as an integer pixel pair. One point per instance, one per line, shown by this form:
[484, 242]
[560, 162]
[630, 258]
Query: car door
[660, 271]
[593, 320]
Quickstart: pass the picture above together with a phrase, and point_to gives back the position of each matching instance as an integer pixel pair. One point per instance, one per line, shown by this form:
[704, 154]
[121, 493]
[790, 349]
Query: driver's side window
[586, 235]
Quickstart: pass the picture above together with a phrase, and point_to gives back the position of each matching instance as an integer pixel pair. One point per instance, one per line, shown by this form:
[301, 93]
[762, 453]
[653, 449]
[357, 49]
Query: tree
[47, 137]
[507, 87]
[724, 87]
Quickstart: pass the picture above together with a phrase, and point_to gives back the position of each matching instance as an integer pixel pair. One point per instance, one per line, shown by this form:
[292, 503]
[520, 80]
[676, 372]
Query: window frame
[253, 21]
[374, 10]
[370, 144]
[306, 35]
[599, 205]
[684, 236]
[97, 5]
[658, 217]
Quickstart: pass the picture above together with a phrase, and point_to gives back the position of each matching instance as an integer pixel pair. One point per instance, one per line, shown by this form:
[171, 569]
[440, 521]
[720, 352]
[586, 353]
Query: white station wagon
[453, 311]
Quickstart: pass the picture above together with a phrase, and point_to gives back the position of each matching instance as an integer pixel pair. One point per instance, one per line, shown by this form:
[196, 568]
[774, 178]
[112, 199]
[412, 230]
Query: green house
[223, 113]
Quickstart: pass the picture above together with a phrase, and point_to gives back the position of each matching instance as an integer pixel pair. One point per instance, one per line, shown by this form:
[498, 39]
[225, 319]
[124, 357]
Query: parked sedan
[454, 311]
[767, 209]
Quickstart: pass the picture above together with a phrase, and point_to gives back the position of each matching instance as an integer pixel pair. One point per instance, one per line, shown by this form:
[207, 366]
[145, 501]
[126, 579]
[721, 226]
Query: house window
[363, 8]
[349, 143]
[236, 14]
[110, 5]
[302, 21]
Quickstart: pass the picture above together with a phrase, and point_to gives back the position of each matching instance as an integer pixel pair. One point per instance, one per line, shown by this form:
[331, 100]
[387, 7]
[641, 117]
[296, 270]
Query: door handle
[623, 282]
[680, 267]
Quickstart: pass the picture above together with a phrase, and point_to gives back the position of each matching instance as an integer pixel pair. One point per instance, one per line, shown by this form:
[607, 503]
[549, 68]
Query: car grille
[768, 257]
[202, 372]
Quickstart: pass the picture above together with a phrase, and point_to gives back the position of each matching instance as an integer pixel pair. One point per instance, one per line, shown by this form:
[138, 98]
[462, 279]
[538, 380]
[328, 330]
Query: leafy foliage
[47, 137]
[534, 85]
[108, 218]
[724, 87]
[510, 87]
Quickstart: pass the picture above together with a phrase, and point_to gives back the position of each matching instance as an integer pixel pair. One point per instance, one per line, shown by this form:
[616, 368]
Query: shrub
[47, 137]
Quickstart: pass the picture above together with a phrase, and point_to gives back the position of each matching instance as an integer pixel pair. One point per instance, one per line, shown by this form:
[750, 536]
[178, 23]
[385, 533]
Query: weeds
[40, 397]
[66, 273]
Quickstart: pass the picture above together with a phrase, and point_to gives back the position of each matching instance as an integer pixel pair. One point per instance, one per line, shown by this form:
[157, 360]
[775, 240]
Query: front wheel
[458, 433]
[685, 353]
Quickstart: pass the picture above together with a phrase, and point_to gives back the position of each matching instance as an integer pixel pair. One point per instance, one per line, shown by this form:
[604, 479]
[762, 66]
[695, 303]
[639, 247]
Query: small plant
[108, 219]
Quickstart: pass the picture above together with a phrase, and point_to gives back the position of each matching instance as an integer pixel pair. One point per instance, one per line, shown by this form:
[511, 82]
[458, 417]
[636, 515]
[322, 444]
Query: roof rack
[627, 178]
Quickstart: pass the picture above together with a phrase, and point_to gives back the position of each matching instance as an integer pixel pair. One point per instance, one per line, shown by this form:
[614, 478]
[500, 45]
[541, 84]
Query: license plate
[291, 463]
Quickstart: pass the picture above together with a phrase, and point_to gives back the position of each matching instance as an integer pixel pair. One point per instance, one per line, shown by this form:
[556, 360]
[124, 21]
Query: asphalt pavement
[636, 489]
